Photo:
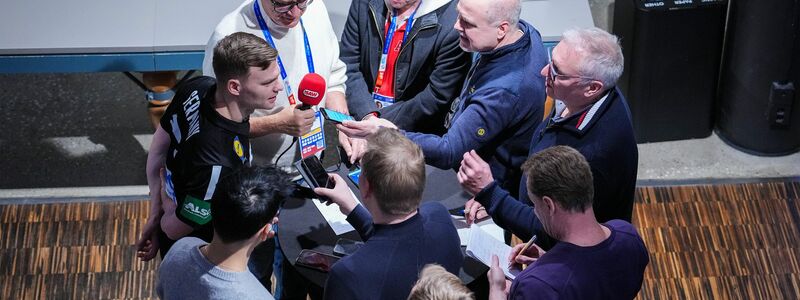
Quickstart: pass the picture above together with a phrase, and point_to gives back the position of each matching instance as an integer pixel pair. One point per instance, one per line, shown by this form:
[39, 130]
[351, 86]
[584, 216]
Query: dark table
[302, 226]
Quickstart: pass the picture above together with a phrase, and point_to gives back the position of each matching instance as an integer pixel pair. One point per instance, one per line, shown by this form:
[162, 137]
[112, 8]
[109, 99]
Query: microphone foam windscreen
[311, 89]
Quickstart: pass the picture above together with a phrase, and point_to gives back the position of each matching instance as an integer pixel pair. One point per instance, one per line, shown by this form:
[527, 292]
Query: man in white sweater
[281, 24]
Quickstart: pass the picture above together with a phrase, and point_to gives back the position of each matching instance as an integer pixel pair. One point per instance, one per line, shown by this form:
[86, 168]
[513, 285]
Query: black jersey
[204, 148]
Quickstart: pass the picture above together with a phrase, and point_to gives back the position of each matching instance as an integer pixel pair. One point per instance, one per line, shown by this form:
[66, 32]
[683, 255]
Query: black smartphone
[346, 247]
[458, 211]
[335, 116]
[313, 172]
[316, 260]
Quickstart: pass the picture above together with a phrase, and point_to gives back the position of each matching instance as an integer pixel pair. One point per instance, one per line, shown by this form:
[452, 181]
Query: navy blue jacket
[429, 71]
[497, 112]
[607, 142]
[388, 264]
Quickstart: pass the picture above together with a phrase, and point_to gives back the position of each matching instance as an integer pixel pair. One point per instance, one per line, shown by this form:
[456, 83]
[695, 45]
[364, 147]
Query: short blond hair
[395, 167]
[435, 283]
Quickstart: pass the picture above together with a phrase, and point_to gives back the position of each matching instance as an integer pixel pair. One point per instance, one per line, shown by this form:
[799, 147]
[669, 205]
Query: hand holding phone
[316, 260]
[339, 194]
[313, 172]
[335, 116]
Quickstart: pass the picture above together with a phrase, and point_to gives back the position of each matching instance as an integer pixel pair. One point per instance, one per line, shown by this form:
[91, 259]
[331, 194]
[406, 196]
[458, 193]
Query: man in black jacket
[424, 67]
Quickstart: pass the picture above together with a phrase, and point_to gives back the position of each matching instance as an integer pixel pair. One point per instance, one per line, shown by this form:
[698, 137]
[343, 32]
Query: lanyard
[268, 37]
[387, 43]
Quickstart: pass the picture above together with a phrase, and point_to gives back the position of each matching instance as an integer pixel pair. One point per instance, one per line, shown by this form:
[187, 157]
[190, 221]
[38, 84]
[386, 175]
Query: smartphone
[335, 116]
[316, 260]
[458, 211]
[354, 176]
[313, 172]
[345, 247]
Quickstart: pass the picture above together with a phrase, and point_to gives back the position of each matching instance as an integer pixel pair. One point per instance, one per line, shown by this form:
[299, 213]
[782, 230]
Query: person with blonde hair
[435, 283]
[400, 235]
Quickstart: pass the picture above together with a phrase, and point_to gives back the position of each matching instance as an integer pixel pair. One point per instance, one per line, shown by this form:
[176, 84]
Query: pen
[524, 248]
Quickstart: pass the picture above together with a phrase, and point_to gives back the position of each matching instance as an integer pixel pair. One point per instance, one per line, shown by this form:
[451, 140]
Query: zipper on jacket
[409, 41]
[377, 27]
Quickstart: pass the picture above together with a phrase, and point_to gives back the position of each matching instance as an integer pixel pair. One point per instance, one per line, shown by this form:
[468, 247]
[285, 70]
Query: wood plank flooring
[720, 242]
[734, 241]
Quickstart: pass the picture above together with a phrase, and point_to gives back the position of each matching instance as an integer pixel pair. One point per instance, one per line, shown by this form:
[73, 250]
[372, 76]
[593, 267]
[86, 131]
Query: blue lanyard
[392, 28]
[387, 43]
[268, 38]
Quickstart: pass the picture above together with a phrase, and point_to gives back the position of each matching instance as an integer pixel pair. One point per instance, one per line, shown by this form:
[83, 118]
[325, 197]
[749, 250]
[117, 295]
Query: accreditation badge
[382, 101]
[313, 142]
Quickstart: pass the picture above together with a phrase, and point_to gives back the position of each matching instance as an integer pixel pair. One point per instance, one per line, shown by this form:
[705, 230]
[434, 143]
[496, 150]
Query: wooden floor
[706, 242]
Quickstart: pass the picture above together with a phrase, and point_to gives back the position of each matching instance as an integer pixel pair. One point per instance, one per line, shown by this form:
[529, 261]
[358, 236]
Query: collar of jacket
[424, 16]
[522, 42]
[590, 116]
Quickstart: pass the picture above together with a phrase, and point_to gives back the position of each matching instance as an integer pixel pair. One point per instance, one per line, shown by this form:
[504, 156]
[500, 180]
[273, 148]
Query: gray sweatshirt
[186, 274]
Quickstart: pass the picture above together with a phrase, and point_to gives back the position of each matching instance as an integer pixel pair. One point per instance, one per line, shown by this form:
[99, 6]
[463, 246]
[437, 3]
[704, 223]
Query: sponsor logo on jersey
[196, 210]
[237, 147]
[191, 110]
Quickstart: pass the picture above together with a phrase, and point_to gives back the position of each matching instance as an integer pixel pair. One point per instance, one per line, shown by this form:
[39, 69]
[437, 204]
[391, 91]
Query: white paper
[334, 216]
[482, 246]
[487, 225]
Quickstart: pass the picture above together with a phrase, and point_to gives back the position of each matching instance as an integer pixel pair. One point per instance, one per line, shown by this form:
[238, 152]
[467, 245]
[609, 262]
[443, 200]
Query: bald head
[503, 10]
[484, 25]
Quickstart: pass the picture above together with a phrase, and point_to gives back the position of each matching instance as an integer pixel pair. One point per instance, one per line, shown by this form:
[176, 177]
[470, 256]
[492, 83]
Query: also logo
[200, 212]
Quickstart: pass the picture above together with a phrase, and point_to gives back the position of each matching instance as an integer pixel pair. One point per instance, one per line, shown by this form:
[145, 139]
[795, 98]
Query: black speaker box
[759, 105]
[672, 54]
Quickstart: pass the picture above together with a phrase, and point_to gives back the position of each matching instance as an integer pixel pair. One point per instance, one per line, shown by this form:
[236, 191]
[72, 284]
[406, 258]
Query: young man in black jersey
[203, 137]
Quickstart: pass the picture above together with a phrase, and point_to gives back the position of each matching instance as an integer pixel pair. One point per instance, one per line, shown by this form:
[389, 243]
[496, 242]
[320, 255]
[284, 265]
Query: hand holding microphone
[298, 120]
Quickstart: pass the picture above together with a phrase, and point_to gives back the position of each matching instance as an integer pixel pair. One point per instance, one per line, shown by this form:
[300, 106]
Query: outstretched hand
[354, 147]
[362, 129]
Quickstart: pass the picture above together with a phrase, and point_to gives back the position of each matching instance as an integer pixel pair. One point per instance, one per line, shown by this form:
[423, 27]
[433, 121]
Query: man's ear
[364, 186]
[233, 86]
[593, 89]
[550, 205]
[503, 30]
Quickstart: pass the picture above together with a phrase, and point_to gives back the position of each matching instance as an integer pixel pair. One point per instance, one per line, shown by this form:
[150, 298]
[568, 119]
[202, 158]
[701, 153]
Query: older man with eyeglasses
[302, 33]
[590, 115]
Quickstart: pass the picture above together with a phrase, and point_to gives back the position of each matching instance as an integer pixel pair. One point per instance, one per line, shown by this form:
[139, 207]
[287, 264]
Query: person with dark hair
[400, 235]
[591, 260]
[301, 31]
[203, 137]
[243, 212]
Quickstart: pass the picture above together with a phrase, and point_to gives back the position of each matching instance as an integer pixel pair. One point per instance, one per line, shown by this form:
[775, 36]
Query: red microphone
[311, 90]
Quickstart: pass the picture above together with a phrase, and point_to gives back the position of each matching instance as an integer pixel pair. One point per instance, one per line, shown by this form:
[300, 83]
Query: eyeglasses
[286, 7]
[554, 75]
